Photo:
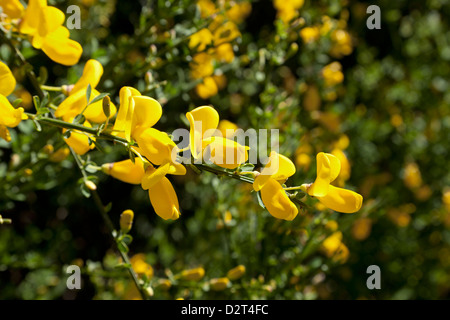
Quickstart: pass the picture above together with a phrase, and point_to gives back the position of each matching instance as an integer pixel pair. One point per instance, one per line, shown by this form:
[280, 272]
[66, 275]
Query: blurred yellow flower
[140, 266]
[219, 284]
[310, 34]
[332, 74]
[193, 274]
[411, 175]
[236, 272]
[361, 228]
[75, 103]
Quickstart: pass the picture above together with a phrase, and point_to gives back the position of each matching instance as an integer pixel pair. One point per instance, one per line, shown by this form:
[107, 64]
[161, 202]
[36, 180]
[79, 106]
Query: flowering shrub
[221, 149]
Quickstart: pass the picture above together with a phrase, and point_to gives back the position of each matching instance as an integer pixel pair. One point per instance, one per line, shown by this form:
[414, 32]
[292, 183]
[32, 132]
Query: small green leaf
[122, 246]
[36, 102]
[260, 202]
[98, 98]
[79, 119]
[66, 135]
[88, 93]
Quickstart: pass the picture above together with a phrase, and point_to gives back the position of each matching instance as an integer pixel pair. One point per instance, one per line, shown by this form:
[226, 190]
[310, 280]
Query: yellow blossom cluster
[213, 44]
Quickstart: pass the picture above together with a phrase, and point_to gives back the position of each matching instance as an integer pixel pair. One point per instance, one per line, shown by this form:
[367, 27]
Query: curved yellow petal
[79, 141]
[7, 80]
[12, 8]
[177, 169]
[126, 170]
[152, 176]
[156, 146]
[75, 103]
[225, 153]
[202, 120]
[277, 202]
[61, 49]
[121, 120]
[92, 72]
[342, 200]
[279, 167]
[147, 112]
[328, 168]
[9, 116]
[260, 181]
[33, 16]
[164, 200]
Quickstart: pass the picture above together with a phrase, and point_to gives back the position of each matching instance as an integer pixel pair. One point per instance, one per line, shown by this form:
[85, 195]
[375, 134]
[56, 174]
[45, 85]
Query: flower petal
[277, 202]
[7, 80]
[342, 200]
[126, 170]
[92, 72]
[203, 121]
[164, 200]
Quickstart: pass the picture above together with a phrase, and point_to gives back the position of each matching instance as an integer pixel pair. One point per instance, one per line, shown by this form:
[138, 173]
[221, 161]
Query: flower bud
[219, 284]
[236, 272]
[126, 220]
[107, 106]
[90, 185]
[28, 172]
[193, 274]
[163, 284]
[48, 149]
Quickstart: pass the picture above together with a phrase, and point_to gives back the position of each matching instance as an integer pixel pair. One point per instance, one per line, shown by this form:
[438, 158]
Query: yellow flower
[275, 199]
[338, 199]
[136, 113]
[207, 8]
[206, 141]
[224, 152]
[238, 11]
[287, 9]
[126, 220]
[140, 266]
[412, 176]
[309, 34]
[361, 228]
[9, 116]
[236, 272]
[344, 174]
[79, 141]
[201, 39]
[60, 155]
[334, 248]
[224, 53]
[227, 128]
[193, 274]
[225, 32]
[76, 101]
[332, 74]
[202, 65]
[219, 284]
[203, 122]
[12, 8]
[207, 89]
[44, 24]
[342, 43]
[126, 170]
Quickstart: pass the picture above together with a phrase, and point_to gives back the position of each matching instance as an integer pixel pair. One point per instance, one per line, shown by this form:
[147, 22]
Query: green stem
[50, 88]
[110, 226]
[216, 171]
